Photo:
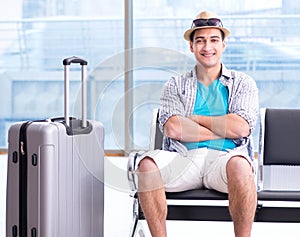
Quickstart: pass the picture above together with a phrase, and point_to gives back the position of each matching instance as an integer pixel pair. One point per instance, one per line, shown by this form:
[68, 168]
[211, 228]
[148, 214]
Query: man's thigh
[179, 172]
[215, 175]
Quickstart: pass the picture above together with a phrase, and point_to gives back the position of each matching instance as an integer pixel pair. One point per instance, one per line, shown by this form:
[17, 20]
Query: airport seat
[210, 205]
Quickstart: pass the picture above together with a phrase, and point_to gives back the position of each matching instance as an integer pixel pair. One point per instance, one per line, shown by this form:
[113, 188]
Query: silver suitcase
[55, 174]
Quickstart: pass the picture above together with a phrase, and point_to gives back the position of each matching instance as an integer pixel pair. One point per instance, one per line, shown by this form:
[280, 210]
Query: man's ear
[224, 45]
[191, 47]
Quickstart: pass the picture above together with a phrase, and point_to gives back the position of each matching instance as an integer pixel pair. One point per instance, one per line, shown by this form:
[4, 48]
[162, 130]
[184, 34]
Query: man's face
[208, 47]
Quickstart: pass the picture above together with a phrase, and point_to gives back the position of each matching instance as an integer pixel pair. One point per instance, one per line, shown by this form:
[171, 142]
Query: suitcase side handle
[67, 62]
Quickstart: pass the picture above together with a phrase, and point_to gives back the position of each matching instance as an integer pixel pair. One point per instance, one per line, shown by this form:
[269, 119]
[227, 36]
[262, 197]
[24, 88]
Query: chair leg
[134, 227]
[135, 218]
[141, 233]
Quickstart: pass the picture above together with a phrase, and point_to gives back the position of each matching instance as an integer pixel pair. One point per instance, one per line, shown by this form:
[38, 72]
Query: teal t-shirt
[211, 100]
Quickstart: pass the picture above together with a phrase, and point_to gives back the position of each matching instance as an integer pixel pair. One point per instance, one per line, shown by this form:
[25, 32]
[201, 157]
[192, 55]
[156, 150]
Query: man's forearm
[226, 126]
[187, 130]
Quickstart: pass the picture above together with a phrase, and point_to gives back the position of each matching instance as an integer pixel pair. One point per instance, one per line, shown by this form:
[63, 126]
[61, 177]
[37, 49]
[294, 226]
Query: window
[37, 35]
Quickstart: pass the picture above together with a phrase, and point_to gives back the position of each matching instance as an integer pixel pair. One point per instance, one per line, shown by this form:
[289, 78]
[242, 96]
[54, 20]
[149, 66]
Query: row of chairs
[278, 156]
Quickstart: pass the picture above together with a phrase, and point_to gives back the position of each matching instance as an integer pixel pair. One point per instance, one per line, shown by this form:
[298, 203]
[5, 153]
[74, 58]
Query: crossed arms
[196, 128]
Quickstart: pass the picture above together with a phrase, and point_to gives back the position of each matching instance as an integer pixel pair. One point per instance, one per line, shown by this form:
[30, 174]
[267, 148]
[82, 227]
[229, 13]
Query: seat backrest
[156, 136]
[279, 136]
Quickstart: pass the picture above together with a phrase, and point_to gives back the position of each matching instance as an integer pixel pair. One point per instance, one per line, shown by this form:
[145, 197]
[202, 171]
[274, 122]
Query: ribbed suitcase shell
[65, 191]
[55, 177]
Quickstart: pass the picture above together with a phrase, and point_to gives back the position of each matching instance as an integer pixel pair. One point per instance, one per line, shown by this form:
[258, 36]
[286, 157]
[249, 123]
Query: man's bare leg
[152, 197]
[242, 195]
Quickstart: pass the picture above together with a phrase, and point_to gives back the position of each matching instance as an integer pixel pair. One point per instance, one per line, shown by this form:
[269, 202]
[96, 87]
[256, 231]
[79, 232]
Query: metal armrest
[133, 187]
[131, 170]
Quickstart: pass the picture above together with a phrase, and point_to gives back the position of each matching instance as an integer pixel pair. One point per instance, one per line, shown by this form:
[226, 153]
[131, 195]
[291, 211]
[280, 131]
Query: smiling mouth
[208, 55]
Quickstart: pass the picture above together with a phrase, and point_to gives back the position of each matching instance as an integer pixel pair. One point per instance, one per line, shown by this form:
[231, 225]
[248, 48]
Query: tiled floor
[118, 211]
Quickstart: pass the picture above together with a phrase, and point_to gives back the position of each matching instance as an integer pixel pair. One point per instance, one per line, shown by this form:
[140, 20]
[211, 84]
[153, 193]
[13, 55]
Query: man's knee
[240, 176]
[147, 164]
[149, 177]
[238, 167]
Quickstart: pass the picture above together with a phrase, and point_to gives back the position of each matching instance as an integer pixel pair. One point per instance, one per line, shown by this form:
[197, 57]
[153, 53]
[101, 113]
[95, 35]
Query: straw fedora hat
[211, 20]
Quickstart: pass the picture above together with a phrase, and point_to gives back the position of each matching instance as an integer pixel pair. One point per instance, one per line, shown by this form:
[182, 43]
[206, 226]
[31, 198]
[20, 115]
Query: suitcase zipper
[22, 152]
[23, 180]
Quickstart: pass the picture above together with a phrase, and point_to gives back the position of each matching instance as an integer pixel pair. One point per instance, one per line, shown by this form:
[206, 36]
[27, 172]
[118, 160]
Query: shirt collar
[225, 73]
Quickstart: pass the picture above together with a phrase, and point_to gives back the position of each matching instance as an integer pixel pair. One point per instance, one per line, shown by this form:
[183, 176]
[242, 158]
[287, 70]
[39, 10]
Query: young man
[207, 117]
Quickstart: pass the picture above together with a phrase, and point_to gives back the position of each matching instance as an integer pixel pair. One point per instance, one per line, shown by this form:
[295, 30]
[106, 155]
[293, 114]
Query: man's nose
[207, 45]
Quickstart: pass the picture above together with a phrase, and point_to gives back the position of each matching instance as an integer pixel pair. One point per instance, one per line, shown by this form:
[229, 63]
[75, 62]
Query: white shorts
[201, 168]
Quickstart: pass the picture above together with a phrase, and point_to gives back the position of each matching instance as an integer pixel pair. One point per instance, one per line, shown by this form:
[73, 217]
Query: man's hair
[193, 33]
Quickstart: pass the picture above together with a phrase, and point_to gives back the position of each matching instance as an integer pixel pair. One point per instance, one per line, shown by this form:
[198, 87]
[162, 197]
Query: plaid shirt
[179, 95]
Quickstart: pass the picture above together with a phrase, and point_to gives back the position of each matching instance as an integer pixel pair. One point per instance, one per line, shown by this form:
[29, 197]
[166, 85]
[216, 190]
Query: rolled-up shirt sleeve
[245, 102]
[170, 103]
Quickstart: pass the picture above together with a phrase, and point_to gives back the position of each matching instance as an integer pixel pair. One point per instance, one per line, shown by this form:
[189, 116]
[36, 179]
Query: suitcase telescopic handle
[74, 59]
[67, 62]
